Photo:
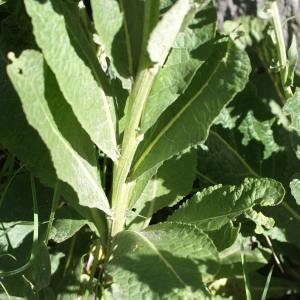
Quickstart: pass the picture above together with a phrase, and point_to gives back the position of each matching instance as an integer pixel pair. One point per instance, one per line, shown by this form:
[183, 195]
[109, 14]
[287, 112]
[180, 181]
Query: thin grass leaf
[264, 295]
[35, 244]
[245, 272]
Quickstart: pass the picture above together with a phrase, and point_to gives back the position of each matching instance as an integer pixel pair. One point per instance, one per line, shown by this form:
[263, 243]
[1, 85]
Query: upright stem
[280, 48]
[137, 101]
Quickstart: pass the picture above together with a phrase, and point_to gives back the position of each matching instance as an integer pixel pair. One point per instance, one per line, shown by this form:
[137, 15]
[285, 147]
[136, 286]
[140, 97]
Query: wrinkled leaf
[217, 205]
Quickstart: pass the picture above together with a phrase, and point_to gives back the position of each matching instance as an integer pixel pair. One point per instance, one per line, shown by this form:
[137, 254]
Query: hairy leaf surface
[69, 54]
[72, 151]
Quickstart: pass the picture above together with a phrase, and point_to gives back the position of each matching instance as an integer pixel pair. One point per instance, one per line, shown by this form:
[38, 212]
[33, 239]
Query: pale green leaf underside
[217, 205]
[190, 49]
[156, 264]
[187, 121]
[72, 151]
[70, 56]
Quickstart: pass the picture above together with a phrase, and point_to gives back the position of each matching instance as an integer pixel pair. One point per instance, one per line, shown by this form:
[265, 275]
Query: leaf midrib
[57, 133]
[174, 119]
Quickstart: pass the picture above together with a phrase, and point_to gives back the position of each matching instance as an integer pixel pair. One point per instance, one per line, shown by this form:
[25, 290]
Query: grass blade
[246, 278]
[264, 295]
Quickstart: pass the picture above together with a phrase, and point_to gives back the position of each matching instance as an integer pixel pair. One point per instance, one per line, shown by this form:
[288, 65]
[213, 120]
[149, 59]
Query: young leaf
[113, 36]
[190, 49]
[76, 68]
[174, 180]
[187, 121]
[72, 151]
[157, 263]
[292, 62]
[216, 206]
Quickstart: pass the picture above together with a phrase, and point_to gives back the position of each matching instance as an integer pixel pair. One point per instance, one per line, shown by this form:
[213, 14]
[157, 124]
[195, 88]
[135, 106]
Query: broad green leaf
[173, 181]
[187, 121]
[225, 236]
[231, 259]
[190, 49]
[157, 264]
[217, 205]
[73, 153]
[79, 75]
[114, 37]
[292, 108]
[67, 222]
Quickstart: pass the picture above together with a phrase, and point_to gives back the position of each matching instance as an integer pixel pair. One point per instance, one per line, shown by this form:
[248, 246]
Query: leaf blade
[175, 129]
[72, 60]
[42, 99]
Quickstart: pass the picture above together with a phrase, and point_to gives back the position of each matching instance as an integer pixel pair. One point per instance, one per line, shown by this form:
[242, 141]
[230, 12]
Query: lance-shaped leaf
[187, 121]
[120, 28]
[113, 31]
[72, 151]
[157, 264]
[217, 205]
[190, 49]
[69, 54]
[173, 181]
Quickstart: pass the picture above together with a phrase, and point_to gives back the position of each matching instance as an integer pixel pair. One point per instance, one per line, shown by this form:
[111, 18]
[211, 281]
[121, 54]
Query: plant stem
[280, 48]
[131, 140]
[53, 208]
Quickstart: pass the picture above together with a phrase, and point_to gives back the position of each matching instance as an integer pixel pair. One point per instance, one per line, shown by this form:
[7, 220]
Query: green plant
[114, 115]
